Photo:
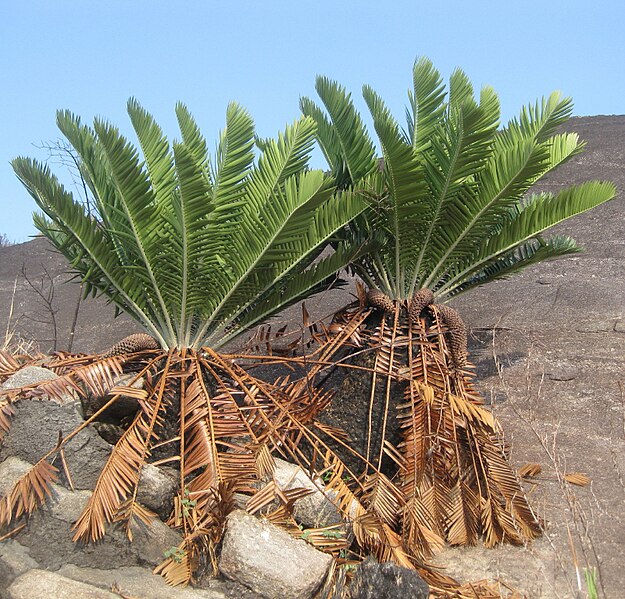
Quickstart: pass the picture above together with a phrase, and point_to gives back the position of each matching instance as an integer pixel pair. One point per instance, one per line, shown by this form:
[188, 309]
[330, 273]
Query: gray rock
[135, 582]
[156, 490]
[11, 470]
[30, 375]
[35, 430]
[269, 561]
[315, 510]
[14, 561]
[49, 539]
[386, 581]
[39, 584]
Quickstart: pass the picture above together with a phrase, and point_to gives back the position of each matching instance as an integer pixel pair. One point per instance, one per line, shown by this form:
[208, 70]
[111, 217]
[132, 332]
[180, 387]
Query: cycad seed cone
[380, 300]
[420, 300]
[457, 333]
[132, 344]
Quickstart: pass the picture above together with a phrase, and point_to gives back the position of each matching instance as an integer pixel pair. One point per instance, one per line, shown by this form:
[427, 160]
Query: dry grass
[12, 341]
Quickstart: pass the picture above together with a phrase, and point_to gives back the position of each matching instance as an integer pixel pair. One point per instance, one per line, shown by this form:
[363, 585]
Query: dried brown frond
[96, 375]
[270, 494]
[381, 497]
[577, 478]
[331, 539]
[9, 365]
[451, 480]
[120, 476]
[130, 512]
[530, 470]
[6, 413]
[273, 343]
[29, 493]
[177, 568]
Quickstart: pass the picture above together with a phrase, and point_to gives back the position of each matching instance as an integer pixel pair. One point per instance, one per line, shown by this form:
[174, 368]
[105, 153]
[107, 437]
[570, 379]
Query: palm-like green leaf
[344, 141]
[426, 104]
[193, 247]
[406, 188]
[451, 200]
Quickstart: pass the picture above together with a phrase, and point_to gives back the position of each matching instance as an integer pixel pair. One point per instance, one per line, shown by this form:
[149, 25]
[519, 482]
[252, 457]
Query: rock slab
[269, 561]
[136, 582]
[15, 560]
[40, 584]
[29, 375]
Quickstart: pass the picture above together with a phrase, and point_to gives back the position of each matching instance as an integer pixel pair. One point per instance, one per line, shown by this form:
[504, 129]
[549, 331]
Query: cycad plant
[197, 250]
[451, 196]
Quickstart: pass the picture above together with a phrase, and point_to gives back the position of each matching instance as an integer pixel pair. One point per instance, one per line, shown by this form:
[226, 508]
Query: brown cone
[380, 300]
[457, 334]
[131, 344]
[420, 300]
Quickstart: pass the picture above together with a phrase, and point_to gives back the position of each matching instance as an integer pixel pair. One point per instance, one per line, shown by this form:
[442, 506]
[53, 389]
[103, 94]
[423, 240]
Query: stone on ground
[269, 561]
[35, 431]
[386, 581]
[39, 584]
[156, 490]
[49, 539]
[136, 582]
[15, 560]
[29, 375]
[315, 510]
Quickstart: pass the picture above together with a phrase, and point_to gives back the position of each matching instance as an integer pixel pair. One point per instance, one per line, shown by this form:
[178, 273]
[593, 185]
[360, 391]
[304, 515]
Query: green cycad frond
[188, 245]
[406, 187]
[85, 243]
[193, 138]
[538, 213]
[523, 255]
[452, 204]
[344, 141]
[426, 104]
[458, 152]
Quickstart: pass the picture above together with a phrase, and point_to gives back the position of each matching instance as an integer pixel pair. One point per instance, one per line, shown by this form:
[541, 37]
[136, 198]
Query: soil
[549, 345]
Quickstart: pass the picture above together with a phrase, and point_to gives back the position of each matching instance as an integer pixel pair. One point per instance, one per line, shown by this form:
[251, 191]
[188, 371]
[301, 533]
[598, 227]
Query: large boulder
[35, 430]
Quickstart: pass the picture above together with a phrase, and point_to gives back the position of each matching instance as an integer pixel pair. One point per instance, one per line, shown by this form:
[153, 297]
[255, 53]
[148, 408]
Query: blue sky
[92, 56]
